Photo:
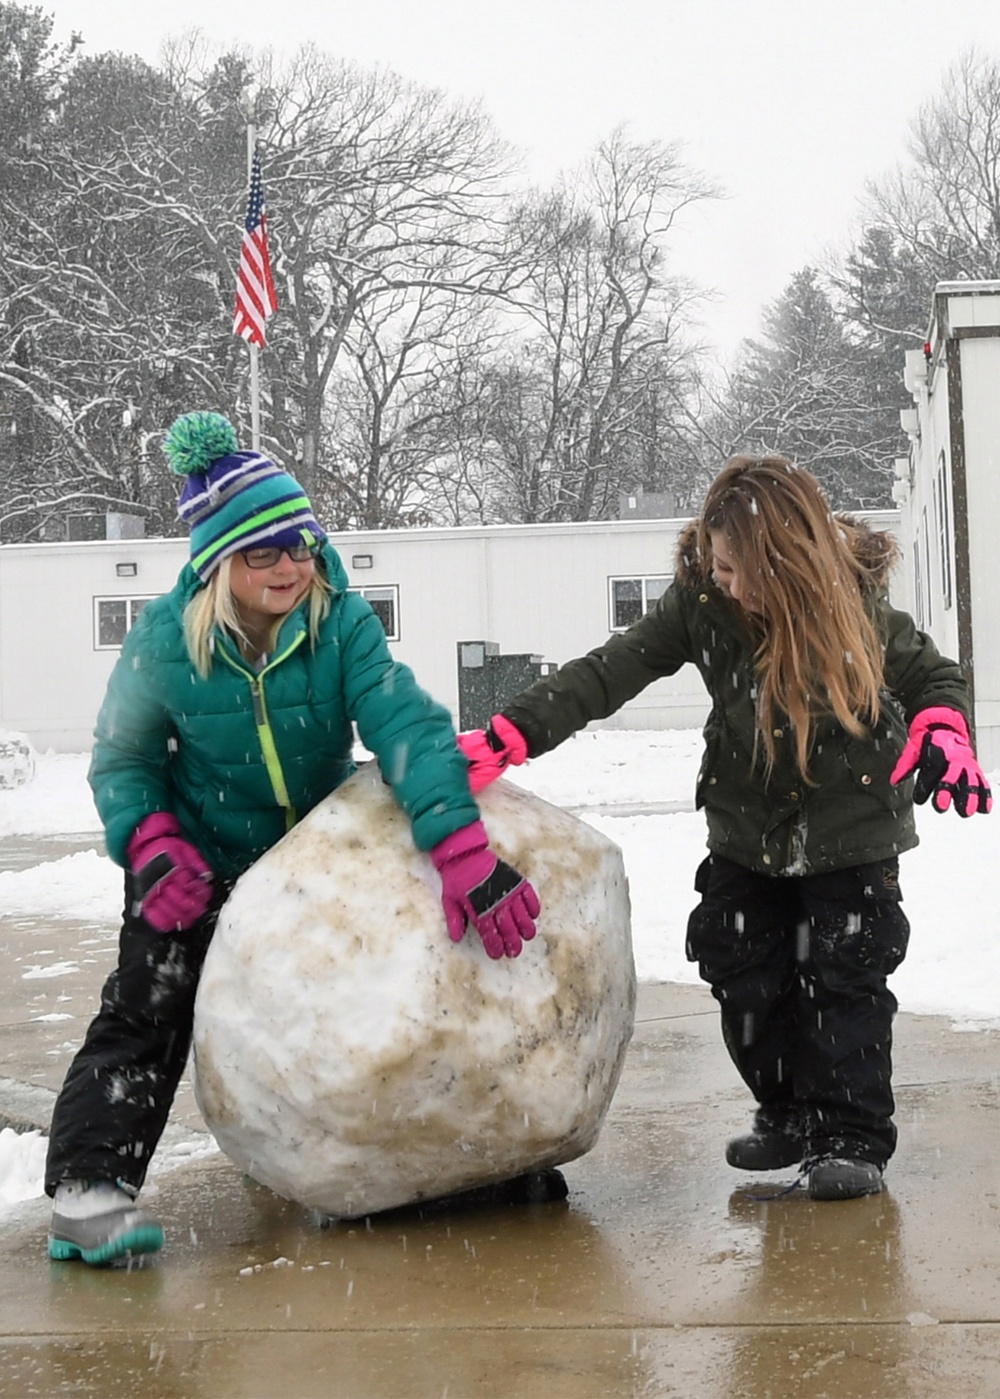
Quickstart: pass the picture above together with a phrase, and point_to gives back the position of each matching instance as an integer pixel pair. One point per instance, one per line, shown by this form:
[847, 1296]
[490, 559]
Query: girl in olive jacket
[227, 718]
[814, 678]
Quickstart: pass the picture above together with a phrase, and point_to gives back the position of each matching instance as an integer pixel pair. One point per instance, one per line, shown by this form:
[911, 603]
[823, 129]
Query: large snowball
[352, 1058]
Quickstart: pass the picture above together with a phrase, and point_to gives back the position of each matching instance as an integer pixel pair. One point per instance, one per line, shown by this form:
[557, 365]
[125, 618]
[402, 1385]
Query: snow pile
[85, 886]
[22, 1165]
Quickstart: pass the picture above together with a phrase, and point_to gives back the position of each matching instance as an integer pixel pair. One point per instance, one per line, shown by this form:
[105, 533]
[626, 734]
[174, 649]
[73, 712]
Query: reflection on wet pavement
[664, 1274]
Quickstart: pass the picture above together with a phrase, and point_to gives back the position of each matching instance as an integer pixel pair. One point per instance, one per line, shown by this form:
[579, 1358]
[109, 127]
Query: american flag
[255, 296]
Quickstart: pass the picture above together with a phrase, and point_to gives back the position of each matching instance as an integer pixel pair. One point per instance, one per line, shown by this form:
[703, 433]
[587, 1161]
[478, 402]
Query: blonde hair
[818, 651]
[212, 607]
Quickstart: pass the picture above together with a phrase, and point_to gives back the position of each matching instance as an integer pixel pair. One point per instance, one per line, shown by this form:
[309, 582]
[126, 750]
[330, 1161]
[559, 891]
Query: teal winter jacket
[240, 756]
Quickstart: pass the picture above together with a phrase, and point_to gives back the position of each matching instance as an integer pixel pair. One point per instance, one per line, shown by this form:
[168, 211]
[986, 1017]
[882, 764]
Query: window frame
[646, 603]
[918, 586]
[131, 613]
[365, 589]
[942, 514]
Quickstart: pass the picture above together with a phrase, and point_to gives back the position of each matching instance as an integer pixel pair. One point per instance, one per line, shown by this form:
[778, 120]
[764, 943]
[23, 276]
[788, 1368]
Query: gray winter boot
[100, 1223]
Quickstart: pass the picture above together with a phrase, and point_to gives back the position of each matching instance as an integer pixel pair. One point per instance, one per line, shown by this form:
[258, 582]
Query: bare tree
[602, 320]
[396, 404]
[937, 216]
[386, 199]
[389, 210]
[441, 350]
[111, 290]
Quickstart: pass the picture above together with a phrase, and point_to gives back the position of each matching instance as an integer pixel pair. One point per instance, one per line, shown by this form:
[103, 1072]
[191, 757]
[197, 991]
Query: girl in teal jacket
[227, 718]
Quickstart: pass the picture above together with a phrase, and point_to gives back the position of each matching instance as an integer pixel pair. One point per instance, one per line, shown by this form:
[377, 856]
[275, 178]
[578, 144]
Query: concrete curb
[24, 1106]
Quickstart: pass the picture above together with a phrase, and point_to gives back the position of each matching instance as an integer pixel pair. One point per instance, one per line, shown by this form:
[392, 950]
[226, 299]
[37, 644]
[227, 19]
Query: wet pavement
[665, 1272]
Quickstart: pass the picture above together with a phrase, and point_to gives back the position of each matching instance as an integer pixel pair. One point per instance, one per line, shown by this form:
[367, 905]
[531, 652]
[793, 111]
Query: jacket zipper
[268, 748]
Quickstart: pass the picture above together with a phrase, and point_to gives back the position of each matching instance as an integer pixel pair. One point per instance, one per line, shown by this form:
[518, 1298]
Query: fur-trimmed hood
[875, 551]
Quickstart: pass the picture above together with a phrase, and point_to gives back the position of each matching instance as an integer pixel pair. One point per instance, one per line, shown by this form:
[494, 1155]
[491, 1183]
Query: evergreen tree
[809, 391]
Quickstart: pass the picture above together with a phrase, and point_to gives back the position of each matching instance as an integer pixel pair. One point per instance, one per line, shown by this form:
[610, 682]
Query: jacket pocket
[871, 764]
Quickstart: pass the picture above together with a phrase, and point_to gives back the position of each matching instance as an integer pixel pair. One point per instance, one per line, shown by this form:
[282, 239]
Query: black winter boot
[841, 1178]
[775, 1142]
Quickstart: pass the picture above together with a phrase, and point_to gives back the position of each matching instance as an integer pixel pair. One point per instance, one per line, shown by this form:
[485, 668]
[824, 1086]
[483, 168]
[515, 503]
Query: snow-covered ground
[952, 969]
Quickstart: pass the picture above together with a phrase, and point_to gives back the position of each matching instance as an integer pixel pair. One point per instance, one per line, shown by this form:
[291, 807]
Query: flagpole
[254, 349]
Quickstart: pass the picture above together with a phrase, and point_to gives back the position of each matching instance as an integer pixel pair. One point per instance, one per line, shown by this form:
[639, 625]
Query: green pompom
[196, 440]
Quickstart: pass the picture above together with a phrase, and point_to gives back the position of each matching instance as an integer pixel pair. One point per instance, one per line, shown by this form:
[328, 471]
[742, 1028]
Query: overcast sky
[789, 105]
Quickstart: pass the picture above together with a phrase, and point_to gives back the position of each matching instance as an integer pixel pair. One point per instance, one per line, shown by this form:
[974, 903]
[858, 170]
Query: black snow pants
[116, 1098]
[799, 966]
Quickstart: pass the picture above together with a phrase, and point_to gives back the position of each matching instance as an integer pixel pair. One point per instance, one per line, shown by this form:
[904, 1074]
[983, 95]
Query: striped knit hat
[233, 500]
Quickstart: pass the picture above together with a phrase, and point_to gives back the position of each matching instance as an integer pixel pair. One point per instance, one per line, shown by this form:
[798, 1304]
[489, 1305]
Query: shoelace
[778, 1194]
[799, 1180]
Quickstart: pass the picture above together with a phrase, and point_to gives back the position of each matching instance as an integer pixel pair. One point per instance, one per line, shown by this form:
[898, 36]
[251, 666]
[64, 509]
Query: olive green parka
[776, 823]
[239, 756]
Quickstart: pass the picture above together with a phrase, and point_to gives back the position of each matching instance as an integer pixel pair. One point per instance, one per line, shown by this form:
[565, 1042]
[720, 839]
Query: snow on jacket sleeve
[411, 735]
[597, 685]
[130, 765]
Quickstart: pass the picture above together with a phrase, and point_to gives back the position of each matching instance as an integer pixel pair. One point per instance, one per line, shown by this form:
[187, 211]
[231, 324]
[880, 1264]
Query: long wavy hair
[213, 607]
[818, 652]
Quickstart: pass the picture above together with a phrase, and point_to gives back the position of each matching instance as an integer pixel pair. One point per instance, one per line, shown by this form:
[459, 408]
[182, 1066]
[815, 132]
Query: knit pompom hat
[233, 500]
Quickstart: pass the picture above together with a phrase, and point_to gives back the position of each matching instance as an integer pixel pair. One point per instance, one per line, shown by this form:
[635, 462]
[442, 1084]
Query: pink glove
[939, 750]
[479, 888]
[173, 884]
[492, 749]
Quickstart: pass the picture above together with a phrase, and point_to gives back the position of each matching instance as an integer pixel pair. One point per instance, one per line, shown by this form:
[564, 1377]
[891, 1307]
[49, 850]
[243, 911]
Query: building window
[918, 587]
[384, 603]
[631, 598]
[942, 520]
[113, 617]
[925, 569]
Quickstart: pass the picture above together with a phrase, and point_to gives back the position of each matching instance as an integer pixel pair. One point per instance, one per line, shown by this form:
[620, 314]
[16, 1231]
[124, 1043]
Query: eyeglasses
[267, 557]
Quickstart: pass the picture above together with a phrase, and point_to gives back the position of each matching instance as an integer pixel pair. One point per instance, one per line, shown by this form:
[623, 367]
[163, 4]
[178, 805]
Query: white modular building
[476, 612]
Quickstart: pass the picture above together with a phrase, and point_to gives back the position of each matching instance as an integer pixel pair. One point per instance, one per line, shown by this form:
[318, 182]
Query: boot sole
[144, 1238]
